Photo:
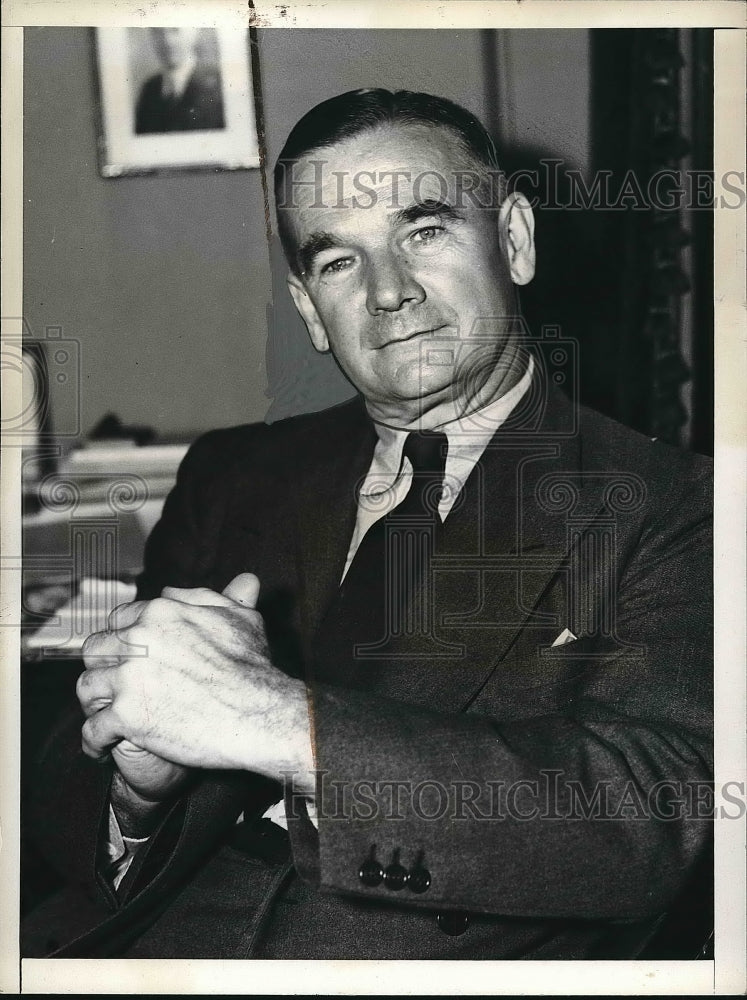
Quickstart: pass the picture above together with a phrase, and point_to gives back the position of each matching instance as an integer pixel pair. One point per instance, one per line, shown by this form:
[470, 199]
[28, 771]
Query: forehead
[388, 167]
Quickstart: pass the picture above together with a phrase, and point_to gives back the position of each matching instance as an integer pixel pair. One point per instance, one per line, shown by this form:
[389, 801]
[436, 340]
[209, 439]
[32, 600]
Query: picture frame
[174, 98]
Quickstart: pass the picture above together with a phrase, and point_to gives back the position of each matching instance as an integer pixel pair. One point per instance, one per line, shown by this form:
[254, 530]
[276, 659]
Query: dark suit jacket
[200, 106]
[569, 521]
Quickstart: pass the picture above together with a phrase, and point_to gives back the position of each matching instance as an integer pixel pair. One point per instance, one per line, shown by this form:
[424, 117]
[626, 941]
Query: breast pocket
[535, 678]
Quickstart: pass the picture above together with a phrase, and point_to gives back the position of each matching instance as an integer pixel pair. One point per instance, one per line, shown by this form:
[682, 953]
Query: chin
[404, 403]
[416, 381]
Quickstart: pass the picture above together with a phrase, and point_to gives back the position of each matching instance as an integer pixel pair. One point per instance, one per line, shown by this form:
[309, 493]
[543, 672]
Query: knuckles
[95, 741]
[82, 686]
[115, 614]
[139, 638]
[90, 643]
[205, 594]
[90, 740]
[157, 612]
[123, 613]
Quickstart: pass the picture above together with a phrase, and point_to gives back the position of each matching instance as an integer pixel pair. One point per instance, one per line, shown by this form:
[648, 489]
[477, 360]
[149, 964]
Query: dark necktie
[383, 597]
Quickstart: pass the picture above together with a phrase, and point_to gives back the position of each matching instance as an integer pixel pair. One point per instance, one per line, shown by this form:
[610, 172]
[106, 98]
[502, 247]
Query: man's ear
[516, 229]
[308, 312]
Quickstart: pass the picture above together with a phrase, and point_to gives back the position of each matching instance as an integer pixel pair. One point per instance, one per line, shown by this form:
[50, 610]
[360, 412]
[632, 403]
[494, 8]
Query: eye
[336, 266]
[427, 234]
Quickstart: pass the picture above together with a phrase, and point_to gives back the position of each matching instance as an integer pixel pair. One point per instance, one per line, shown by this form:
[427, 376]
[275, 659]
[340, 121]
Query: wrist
[301, 753]
[305, 782]
[285, 752]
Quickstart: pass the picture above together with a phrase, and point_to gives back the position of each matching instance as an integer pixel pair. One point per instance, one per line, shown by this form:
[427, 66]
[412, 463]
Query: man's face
[405, 279]
[174, 46]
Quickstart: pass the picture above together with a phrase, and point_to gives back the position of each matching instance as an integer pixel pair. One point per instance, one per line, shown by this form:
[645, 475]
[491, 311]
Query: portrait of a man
[367, 570]
[422, 675]
[186, 93]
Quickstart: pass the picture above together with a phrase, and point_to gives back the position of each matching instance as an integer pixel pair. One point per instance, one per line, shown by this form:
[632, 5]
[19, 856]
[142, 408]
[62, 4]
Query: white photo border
[726, 974]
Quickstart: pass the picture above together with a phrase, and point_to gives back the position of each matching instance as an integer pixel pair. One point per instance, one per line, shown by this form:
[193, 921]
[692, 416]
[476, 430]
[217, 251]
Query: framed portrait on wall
[174, 98]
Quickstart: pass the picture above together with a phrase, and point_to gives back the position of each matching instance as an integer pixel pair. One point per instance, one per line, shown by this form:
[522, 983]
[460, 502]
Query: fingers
[128, 751]
[100, 650]
[95, 689]
[198, 596]
[244, 589]
[110, 647]
[125, 638]
[100, 733]
[125, 615]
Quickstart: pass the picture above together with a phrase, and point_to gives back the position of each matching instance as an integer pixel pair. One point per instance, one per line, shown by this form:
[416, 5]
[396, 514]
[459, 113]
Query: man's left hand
[187, 676]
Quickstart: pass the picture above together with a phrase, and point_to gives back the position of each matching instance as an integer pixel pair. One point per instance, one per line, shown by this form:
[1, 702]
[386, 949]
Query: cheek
[344, 329]
[467, 281]
[346, 318]
[340, 311]
[347, 341]
[482, 298]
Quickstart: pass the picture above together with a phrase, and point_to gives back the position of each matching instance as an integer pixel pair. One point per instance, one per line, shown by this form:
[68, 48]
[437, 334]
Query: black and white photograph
[186, 90]
[174, 97]
[366, 592]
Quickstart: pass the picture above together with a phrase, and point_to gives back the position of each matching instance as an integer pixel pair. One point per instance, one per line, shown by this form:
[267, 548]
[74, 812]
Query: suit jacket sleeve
[592, 805]
[180, 551]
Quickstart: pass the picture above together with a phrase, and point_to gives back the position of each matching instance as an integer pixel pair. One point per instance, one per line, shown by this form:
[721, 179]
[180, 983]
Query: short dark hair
[358, 111]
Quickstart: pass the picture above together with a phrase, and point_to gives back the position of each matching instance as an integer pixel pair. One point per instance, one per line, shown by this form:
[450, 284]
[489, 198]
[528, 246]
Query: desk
[79, 561]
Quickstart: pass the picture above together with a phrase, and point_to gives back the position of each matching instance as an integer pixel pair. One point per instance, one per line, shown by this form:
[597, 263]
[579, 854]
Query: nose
[391, 285]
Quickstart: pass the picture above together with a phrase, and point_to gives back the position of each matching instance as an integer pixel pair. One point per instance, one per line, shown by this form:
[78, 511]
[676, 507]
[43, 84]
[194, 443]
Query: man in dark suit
[185, 95]
[453, 636]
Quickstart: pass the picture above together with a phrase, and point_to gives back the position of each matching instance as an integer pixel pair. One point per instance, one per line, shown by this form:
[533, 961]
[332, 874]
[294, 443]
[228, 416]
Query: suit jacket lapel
[327, 507]
[530, 497]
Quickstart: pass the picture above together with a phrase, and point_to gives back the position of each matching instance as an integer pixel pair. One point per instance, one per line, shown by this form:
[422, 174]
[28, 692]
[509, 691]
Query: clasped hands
[185, 681]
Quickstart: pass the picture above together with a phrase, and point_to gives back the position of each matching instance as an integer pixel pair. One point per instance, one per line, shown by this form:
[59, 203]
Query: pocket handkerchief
[565, 636]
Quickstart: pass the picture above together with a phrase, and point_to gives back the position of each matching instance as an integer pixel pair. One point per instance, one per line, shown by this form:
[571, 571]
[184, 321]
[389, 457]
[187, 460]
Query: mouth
[406, 337]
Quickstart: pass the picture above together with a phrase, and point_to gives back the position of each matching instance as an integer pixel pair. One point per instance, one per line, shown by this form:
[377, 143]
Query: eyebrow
[318, 242]
[315, 244]
[426, 209]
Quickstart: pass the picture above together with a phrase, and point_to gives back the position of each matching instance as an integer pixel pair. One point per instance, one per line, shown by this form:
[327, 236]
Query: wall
[162, 280]
[543, 86]
[168, 283]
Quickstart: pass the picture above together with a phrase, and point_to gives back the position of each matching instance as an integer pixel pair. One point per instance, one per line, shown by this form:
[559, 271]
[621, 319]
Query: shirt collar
[468, 436]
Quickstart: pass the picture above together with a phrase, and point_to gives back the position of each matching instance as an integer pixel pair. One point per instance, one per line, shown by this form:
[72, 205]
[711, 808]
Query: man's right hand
[145, 780]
